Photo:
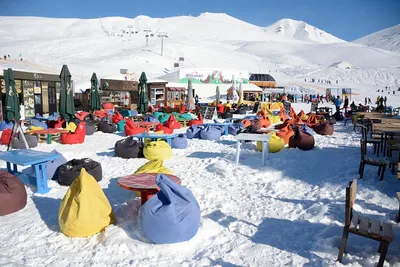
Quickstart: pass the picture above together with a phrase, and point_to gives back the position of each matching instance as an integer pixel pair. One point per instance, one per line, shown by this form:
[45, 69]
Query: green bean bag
[121, 126]
[163, 118]
[158, 114]
[157, 150]
[186, 116]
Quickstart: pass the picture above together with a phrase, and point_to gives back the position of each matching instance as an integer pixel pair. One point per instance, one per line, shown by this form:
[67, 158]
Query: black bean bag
[12, 194]
[68, 172]
[30, 139]
[338, 116]
[227, 115]
[240, 111]
[256, 125]
[129, 148]
[90, 129]
[107, 127]
[324, 128]
[301, 139]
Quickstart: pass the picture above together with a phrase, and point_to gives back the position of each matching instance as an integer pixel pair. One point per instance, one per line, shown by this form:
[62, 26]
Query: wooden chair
[376, 142]
[375, 161]
[364, 226]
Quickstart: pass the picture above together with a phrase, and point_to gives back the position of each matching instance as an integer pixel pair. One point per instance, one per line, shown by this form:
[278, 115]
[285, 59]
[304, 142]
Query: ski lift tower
[147, 36]
[130, 30]
[162, 35]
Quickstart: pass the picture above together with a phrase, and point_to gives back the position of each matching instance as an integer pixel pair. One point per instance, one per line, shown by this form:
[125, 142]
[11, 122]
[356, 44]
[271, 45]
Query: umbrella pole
[17, 129]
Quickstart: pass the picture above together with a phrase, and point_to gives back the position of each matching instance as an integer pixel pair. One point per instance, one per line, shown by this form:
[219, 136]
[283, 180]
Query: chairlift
[136, 31]
[181, 59]
[151, 35]
[147, 36]
[176, 65]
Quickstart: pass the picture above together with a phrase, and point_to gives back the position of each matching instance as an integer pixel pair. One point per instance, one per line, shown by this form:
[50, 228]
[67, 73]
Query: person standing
[384, 101]
[346, 103]
[338, 103]
[366, 101]
[369, 101]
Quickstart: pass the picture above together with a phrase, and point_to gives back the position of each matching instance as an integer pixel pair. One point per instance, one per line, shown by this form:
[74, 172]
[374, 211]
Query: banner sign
[209, 76]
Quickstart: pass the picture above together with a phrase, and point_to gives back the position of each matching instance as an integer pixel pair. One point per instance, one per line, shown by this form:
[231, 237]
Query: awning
[176, 88]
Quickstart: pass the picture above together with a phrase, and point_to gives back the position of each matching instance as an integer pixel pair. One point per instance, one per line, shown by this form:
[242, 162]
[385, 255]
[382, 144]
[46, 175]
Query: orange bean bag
[77, 137]
[285, 133]
[246, 123]
[166, 130]
[265, 122]
[196, 122]
[117, 117]
[292, 114]
[312, 120]
[301, 114]
[172, 123]
[283, 125]
[282, 114]
[131, 128]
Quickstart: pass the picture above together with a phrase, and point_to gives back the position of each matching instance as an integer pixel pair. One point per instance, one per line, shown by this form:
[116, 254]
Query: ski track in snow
[287, 213]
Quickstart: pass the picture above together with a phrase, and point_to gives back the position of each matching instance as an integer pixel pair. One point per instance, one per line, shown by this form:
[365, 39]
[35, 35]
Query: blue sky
[346, 19]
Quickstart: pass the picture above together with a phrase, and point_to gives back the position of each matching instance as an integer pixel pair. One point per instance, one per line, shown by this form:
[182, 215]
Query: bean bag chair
[158, 114]
[283, 125]
[106, 126]
[193, 132]
[38, 124]
[292, 114]
[68, 172]
[84, 210]
[196, 122]
[210, 133]
[172, 123]
[121, 125]
[56, 124]
[53, 117]
[301, 114]
[125, 113]
[19, 142]
[33, 128]
[265, 122]
[81, 115]
[275, 145]
[133, 113]
[163, 129]
[282, 114]
[151, 119]
[256, 125]
[235, 128]
[285, 133]
[324, 128]
[90, 129]
[164, 118]
[157, 150]
[246, 123]
[108, 106]
[71, 126]
[301, 139]
[117, 117]
[186, 116]
[227, 115]
[13, 195]
[132, 129]
[274, 119]
[312, 120]
[52, 166]
[77, 137]
[6, 136]
[179, 142]
[240, 111]
[100, 113]
[4, 125]
[129, 148]
[338, 117]
[154, 166]
[170, 216]
[307, 129]
[331, 120]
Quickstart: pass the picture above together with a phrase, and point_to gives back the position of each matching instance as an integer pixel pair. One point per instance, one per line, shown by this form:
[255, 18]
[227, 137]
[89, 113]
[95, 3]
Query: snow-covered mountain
[301, 31]
[388, 39]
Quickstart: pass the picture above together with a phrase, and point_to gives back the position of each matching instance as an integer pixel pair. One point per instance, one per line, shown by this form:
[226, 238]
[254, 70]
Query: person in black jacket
[346, 103]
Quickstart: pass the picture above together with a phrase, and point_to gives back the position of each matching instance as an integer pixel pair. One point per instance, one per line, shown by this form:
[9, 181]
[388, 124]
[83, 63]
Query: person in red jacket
[220, 108]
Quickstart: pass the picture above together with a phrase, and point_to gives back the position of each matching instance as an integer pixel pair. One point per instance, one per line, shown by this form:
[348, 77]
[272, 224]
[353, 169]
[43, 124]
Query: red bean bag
[172, 123]
[285, 133]
[100, 113]
[12, 194]
[77, 137]
[183, 109]
[196, 122]
[81, 115]
[117, 117]
[6, 136]
[56, 124]
[131, 128]
[166, 130]
[108, 106]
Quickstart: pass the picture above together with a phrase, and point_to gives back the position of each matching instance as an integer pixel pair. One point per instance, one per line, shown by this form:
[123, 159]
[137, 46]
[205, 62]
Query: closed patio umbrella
[189, 100]
[94, 101]
[217, 94]
[12, 102]
[240, 94]
[142, 99]
[66, 105]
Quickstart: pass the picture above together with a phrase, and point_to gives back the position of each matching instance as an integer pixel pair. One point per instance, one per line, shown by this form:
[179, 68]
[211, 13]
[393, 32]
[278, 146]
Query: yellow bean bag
[154, 166]
[84, 210]
[157, 150]
[34, 128]
[71, 127]
[274, 119]
[276, 144]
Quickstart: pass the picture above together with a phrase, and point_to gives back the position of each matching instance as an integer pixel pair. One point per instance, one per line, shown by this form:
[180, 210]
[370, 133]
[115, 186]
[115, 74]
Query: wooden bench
[363, 226]
[243, 137]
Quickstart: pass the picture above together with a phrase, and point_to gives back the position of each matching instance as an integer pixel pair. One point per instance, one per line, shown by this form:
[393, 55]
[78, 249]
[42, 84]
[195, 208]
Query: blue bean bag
[193, 131]
[38, 124]
[235, 128]
[307, 129]
[4, 125]
[179, 142]
[151, 119]
[210, 133]
[40, 117]
[170, 216]
[53, 117]
[133, 113]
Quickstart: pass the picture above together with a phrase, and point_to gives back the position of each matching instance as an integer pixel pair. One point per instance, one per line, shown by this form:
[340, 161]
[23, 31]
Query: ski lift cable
[186, 58]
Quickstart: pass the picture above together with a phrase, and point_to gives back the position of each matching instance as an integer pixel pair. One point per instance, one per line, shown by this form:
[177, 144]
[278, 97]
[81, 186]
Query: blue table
[28, 157]
[225, 125]
[153, 136]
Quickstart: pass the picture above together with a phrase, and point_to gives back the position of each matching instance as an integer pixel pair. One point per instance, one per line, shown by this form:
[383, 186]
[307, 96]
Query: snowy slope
[388, 39]
[300, 30]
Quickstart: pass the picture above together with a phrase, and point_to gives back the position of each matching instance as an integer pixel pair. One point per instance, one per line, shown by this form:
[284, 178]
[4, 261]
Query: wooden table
[49, 133]
[146, 124]
[184, 122]
[145, 183]
[26, 157]
[264, 138]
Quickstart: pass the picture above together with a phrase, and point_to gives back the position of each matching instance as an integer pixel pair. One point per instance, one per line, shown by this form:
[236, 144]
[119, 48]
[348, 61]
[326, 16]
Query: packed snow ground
[287, 213]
